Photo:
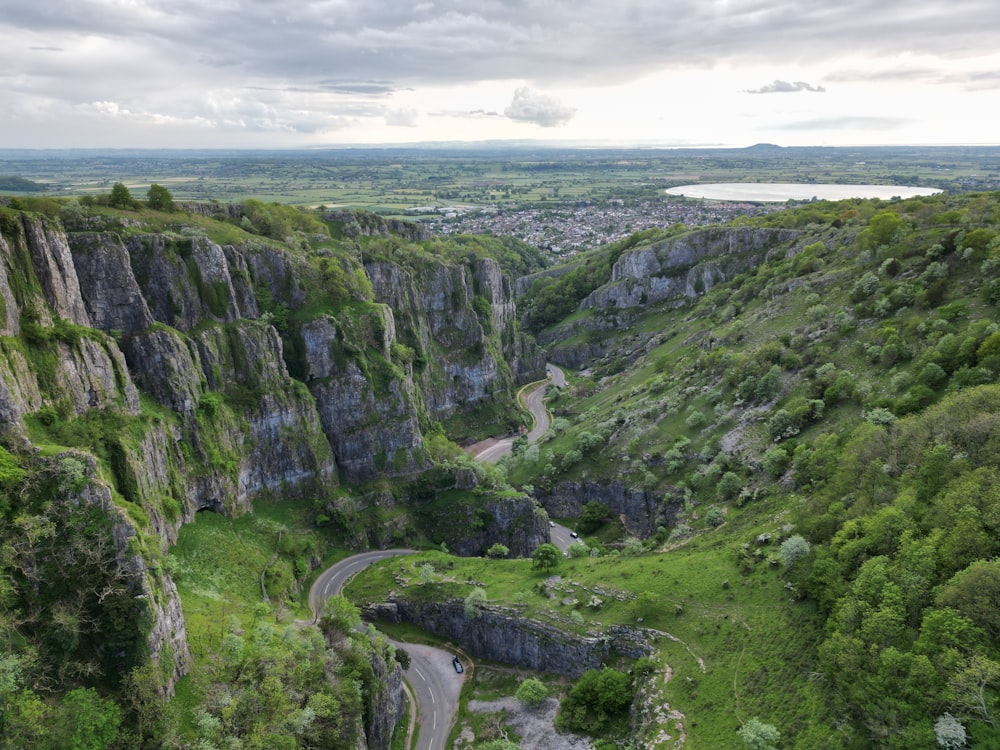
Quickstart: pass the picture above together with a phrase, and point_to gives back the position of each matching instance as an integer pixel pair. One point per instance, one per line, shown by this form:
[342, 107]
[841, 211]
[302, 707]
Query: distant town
[567, 230]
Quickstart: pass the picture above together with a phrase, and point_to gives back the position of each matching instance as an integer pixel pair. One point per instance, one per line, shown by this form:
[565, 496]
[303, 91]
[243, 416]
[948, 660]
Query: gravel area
[534, 726]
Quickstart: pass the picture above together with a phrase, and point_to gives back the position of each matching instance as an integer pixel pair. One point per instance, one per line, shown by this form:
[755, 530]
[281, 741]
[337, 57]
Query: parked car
[457, 663]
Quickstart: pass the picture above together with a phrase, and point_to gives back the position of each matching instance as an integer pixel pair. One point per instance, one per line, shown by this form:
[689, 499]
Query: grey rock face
[372, 433]
[186, 281]
[389, 701]
[167, 637]
[640, 511]
[511, 521]
[686, 266]
[53, 265]
[93, 376]
[108, 286]
[500, 635]
[436, 311]
[165, 367]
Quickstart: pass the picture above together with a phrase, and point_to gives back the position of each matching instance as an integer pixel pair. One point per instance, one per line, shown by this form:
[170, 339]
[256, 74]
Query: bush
[776, 461]
[793, 549]
[729, 486]
[757, 735]
[498, 551]
[597, 700]
[531, 692]
[695, 421]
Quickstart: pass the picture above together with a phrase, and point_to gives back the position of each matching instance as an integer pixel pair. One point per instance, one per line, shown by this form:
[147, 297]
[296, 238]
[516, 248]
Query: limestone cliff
[639, 511]
[211, 336]
[685, 266]
[460, 320]
[504, 635]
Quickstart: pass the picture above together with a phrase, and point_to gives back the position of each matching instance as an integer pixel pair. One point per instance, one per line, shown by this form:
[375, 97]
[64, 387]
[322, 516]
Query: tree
[578, 549]
[793, 549]
[531, 692]
[949, 732]
[160, 199]
[975, 593]
[86, 721]
[402, 656]
[759, 736]
[972, 688]
[498, 551]
[475, 602]
[545, 556]
[597, 699]
[593, 516]
[121, 197]
[519, 445]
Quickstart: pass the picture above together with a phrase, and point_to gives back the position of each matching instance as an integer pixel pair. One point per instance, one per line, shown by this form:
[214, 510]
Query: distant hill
[20, 185]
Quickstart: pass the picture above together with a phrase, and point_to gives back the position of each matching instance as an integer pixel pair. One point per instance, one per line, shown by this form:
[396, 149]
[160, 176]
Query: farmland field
[423, 181]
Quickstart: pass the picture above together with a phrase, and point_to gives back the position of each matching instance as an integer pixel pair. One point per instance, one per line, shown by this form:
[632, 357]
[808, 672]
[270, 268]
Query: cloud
[538, 108]
[471, 114]
[859, 123]
[784, 87]
[401, 118]
[973, 80]
[445, 41]
[337, 59]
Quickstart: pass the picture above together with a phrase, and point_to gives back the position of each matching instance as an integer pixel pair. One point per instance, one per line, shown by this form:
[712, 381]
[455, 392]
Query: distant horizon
[492, 144]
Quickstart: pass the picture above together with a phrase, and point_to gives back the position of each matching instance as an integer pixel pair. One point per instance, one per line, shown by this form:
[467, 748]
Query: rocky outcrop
[166, 639]
[166, 368]
[499, 634]
[185, 281]
[640, 511]
[113, 300]
[373, 426]
[686, 266]
[363, 223]
[460, 320]
[54, 269]
[515, 522]
[388, 704]
[503, 635]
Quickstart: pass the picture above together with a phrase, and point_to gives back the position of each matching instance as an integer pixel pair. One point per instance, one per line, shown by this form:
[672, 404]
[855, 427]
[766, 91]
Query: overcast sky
[286, 73]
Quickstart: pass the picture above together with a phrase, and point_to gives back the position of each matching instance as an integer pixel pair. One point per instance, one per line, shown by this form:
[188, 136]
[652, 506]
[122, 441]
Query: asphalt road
[560, 536]
[534, 399]
[431, 675]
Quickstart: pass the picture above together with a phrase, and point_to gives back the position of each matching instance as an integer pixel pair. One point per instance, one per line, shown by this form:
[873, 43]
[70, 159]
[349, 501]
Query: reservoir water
[779, 192]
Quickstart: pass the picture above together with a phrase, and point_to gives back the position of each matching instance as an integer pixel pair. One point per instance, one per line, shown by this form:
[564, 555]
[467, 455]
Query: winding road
[533, 397]
[431, 676]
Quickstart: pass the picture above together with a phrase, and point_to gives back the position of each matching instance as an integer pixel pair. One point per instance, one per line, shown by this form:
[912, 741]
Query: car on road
[552, 524]
[457, 663]
[574, 535]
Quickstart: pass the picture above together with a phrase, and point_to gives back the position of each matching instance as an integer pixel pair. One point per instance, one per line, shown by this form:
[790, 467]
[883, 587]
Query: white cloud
[784, 87]
[401, 118]
[316, 68]
[538, 108]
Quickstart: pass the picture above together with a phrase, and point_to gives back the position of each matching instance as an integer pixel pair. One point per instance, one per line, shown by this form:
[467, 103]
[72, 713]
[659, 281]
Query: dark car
[457, 663]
